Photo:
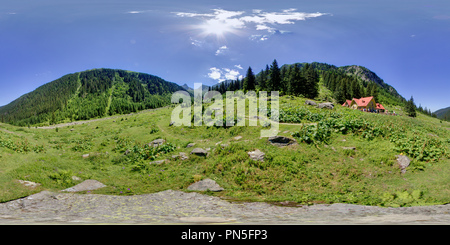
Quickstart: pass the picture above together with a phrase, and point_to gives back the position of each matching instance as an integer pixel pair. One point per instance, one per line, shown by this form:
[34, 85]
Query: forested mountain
[89, 94]
[305, 79]
[101, 92]
[443, 114]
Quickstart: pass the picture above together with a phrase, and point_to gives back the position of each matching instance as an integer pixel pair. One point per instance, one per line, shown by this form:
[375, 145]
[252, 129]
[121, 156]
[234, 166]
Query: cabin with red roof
[365, 104]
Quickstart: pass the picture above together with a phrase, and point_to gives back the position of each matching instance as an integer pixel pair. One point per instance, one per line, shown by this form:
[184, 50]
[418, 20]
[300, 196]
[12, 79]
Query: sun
[216, 27]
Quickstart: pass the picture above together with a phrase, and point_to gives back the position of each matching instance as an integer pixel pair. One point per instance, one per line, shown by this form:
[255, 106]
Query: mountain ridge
[443, 113]
[89, 94]
[101, 92]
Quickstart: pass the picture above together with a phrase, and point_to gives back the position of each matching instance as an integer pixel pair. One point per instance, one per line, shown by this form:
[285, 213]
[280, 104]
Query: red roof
[380, 106]
[363, 101]
[347, 102]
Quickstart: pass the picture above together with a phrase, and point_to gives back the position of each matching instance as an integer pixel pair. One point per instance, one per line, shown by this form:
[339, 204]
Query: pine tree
[249, 81]
[296, 82]
[356, 89]
[411, 108]
[284, 75]
[274, 77]
[312, 81]
[339, 93]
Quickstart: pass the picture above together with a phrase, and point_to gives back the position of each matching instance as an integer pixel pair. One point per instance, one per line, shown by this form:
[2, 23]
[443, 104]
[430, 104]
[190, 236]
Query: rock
[403, 162]
[86, 185]
[72, 129]
[281, 141]
[204, 185]
[183, 156]
[76, 178]
[157, 142]
[237, 138]
[349, 148]
[29, 183]
[223, 145]
[310, 102]
[158, 162]
[85, 155]
[127, 152]
[190, 145]
[180, 155]
[326, 105]
[199, 152]
[256, 155]
[171, 123]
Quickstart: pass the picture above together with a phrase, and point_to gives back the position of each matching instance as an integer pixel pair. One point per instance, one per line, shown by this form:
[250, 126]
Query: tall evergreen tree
[411, 108]
[372, 90]
[274, 77]
[249, 81]
[296, 82]
[312, 81]
[284, 75]
[339, 94]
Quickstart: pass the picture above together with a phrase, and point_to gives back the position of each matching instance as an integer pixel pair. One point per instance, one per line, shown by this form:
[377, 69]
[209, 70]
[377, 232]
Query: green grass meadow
[316, 170]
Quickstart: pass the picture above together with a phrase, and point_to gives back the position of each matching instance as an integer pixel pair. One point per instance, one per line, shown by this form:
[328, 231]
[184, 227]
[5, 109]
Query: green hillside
[103, 92]
[443, 114]
[89, 94]
[341, 156]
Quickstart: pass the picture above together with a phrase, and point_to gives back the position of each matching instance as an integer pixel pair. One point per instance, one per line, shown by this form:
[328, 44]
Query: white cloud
[196, 43]
[265, 27]
[238, 66]
[221, 50]
[223, 74]
[223, 21]
[215, 74]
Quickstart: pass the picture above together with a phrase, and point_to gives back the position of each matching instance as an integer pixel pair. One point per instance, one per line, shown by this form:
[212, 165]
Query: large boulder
[326, 105]
[199, 152]
[310, 102]
[204, 185]
[86, 185]
[403, 162]
[281, 141]
[180, 155]
[256, 155]
[156, 143]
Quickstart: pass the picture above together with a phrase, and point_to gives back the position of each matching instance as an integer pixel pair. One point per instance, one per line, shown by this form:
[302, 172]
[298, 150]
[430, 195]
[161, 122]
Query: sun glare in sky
[216, 27]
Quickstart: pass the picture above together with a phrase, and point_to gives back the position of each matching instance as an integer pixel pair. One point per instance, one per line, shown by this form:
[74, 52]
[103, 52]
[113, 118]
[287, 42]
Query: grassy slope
[301, 173]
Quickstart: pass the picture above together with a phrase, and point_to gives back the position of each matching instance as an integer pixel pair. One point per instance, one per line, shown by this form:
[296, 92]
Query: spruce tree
[411, 108]
[274, 77]
[296, 82]
[249, 81]
[311, 89]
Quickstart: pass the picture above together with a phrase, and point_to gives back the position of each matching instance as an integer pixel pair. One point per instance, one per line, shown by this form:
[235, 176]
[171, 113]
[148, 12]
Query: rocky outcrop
[403, 162]
[326, 105]
[156, 143]
[204, 185]
[310, 102]
[199, 152]
[86, 185]
[256, 155]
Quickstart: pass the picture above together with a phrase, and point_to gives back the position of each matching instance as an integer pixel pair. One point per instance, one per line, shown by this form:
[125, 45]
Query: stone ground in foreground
[177, 207]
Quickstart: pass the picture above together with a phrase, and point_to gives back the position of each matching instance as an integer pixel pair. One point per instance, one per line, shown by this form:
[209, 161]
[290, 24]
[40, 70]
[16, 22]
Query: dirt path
[176, 207]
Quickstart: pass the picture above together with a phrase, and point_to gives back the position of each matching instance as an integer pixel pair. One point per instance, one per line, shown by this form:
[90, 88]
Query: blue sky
[405, 42]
